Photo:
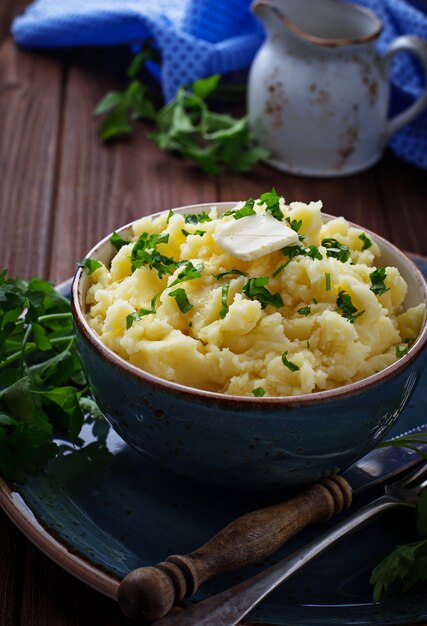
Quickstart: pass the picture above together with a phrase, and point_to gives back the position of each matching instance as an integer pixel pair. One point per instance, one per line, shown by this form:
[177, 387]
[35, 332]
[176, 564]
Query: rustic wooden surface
[61, 190]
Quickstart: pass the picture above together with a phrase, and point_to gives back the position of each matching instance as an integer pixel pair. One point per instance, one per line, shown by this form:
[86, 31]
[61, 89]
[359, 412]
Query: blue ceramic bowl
[242, 441]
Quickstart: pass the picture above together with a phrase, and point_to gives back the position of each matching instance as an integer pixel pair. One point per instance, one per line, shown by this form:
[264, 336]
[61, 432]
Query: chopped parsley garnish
[258, 392]
[293, 251]
[197, 218]
[313, 252]
[145, 252]
[255, 290]
[367, 243]
[227, 272]
[347, 308]
[188, 272]
[170, 214]
[224, 295]
[401, 351]
[305, 310]
[181, 299]
[196, 232]
[117, 241]
[328, 281]
[294, 224]
[336, 249]
[247, 209]
[90, 264]
[272, 201]
[137, 315]
[377, 281]
[291, 366]
[279, 269]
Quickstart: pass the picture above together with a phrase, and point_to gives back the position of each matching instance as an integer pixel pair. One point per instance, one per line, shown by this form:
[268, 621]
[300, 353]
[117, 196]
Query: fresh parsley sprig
[347, 308]
[42, 385]
[185, 125]
[336, 249]
[255, 289]
[377, 281]
[406, 563]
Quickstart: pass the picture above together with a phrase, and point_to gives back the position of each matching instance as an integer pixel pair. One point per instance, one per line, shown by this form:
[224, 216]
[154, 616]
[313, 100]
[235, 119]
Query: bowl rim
[178, 389]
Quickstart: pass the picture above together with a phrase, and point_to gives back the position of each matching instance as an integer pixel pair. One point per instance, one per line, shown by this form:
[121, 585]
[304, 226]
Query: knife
[149, 593]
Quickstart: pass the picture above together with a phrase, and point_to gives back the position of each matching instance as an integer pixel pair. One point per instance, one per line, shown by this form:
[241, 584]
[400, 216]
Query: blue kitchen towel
[201, 37]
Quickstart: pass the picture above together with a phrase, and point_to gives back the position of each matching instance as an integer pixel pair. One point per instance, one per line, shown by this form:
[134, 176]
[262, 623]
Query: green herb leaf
[258, 392]
[279, 269]
[117, 241]
[90, 264]
[346, 307]
[189, 272]
[313, 252]
[327, 281]
[291, 366]
[247, 209]
[181, 299]
[205, 86]
[227, 272]
[137, 315]
[336, 249]
[197, 218]
[294, 224]
[145, 252]
[272, 201]
[401, 351]
[170, 214]
[255, 290]
[377, 281]
[196, 232]
[305, 310]
[293, 251]
[224, 296]
[367, 243]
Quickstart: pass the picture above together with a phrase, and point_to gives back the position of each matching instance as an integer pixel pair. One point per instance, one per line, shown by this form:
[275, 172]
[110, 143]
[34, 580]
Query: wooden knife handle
[149, 593]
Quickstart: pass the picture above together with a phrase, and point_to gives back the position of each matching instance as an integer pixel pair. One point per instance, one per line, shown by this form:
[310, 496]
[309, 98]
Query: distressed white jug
[318, 89]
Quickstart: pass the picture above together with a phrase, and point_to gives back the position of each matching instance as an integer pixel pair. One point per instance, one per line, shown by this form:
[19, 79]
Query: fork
[230, 606]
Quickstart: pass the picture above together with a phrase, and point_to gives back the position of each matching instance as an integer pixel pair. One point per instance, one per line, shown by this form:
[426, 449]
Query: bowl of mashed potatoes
[255, 344]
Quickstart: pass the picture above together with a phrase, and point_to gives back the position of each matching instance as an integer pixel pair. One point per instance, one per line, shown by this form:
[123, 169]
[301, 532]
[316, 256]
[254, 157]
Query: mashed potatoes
[311, 316]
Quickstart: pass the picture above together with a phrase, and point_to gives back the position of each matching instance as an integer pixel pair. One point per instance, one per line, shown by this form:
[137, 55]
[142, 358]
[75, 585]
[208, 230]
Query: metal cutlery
[150, 592]
[229, 607]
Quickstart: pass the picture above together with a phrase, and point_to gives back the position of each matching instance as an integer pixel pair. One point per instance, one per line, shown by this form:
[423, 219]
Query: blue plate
[102, 510]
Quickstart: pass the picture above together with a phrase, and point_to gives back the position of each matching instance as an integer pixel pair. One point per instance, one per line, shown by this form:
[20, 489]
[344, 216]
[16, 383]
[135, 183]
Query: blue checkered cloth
[202, 37]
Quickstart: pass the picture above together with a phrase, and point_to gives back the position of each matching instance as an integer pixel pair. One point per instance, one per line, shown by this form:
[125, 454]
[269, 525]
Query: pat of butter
[254, 236]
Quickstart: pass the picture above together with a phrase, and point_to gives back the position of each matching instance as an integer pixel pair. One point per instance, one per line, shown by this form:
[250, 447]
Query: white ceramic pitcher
[319, 91]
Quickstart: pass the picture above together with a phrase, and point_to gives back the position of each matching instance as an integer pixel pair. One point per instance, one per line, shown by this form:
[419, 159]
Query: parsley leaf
[377, 281]
[137, 315]
[224, 296]
[272, 201]
[313, 252]
[305, 310]
[401, 351]
[181, 299]
[196, 232]
[185, 125]
[405, 563]
[227, 272]
[41, 379]
[247, 209]
[291, 366]
[367, 243]
[258, 392]
[255, 290]
[327, 281]
[189, 272]
[169, 215]
[347, 308]
[117, 241]
[197, 218]
[145, 252]
[336, 249]
[90, 264]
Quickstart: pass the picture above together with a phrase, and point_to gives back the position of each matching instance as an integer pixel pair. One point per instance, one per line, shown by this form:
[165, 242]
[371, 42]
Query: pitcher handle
[417, 47]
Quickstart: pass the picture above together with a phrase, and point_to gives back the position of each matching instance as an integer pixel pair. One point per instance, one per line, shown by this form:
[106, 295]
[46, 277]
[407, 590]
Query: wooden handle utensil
[149, 593]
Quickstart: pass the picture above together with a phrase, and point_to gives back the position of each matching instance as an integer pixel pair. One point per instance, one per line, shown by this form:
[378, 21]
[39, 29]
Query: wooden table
[61, 190]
